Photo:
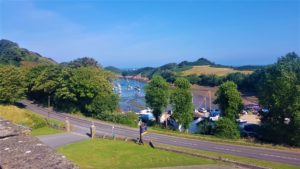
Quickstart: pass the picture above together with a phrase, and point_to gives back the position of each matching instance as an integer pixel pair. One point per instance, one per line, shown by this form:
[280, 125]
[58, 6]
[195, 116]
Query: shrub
[226, 128]
[129, 118]
[206, 127]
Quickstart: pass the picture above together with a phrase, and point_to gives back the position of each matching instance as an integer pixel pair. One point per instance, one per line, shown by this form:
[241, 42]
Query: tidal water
[132, 95]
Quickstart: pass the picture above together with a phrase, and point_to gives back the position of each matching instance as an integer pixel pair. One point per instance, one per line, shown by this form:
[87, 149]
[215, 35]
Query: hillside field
[207, 70]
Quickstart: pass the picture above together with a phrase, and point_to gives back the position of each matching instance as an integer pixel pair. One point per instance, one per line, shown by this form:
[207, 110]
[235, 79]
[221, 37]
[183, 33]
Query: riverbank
[203, 96]
[138, 77]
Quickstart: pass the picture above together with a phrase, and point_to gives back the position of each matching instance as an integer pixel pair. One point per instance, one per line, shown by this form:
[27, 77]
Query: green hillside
[11, 53]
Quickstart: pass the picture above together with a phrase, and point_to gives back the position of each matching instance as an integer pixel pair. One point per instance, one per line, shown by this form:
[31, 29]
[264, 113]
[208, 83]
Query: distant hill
[113, 69]
[11, 53]
[199, 62]
[200, 66]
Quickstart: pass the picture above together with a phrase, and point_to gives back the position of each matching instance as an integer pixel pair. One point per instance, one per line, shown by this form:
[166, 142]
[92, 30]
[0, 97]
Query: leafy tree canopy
[226, 128]
[229, 100]
[279, 91]
[157, 95]
[83, 62]
[12, 84]
[85, 89]
[182, 102]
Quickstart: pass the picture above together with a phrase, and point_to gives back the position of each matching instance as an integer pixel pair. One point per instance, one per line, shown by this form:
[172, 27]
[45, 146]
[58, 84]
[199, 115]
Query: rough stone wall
[20, 150]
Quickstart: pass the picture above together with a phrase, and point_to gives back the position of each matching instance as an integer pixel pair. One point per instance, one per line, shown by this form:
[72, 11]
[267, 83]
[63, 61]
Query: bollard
[92, 130]
[67, 125]
[112, 132]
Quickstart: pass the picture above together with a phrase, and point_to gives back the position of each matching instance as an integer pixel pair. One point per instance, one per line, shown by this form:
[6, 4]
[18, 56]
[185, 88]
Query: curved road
[82, 126]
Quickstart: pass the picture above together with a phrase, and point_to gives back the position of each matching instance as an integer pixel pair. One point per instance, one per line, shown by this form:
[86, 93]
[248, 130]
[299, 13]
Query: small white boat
[146, 114]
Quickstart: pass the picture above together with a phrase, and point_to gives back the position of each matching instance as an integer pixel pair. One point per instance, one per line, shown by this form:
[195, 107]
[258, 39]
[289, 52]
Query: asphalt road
[81, 126]
[57, 140]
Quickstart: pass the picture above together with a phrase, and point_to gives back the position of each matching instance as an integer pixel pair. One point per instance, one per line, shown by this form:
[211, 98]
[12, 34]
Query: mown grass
[245, 160]
[38, 124]
[241, 141]
[207, 70]
[106, 154]
[45, 131]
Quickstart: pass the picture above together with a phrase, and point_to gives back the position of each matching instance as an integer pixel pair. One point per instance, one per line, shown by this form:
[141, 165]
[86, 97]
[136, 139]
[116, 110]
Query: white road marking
[283, 157]
[227, 149]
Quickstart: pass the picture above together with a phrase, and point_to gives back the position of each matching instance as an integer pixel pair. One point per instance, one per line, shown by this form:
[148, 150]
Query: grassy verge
[38, 124]
[104, 153]
[45, 131]
[246, 160]
[242, 142]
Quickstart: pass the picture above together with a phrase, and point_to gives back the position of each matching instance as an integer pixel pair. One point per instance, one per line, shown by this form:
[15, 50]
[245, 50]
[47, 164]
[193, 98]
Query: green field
[208, 70]
[38, 124]
[104, 153]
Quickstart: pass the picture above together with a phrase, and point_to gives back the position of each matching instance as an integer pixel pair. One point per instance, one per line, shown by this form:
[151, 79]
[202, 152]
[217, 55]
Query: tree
[103, 102]
[169, 75]
[12, 84]
[193, 79]
[279, 91]
[157, 95]
[88, 88]
[226, 128]
[46, 82]
[229, 100]
[85, 89]
[182, 102]
[83, 62]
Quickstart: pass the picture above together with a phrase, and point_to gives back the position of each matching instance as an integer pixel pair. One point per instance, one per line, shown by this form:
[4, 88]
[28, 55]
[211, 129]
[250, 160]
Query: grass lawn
[36, 122]
[45, 131]
[257, 162]
[104, 153]
[242, 142]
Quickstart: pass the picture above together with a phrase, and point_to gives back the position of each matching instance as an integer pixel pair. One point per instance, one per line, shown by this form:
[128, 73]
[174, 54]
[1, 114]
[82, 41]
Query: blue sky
[151, 33]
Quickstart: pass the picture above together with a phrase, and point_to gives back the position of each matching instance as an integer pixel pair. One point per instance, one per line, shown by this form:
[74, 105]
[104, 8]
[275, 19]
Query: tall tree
[280, 93]
[89, 83]
[12, 84]
[229, 100]
[182, 102]
[85, 89]
[83, 62]
[46, 82]
[157, 95]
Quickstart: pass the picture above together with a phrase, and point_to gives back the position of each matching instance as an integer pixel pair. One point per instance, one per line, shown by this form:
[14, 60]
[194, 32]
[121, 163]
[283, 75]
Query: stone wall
[18, 149]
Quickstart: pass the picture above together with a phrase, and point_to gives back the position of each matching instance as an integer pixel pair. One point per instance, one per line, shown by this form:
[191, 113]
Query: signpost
[143, 131]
